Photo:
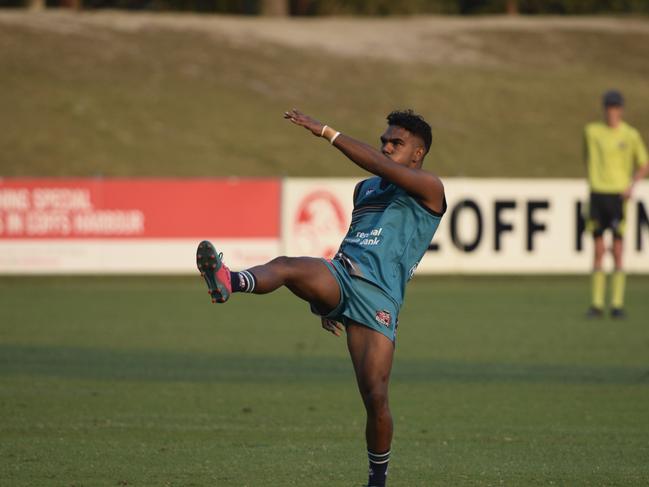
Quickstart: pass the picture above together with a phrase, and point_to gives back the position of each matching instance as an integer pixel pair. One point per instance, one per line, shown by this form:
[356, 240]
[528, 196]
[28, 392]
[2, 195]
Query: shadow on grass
[145, 365]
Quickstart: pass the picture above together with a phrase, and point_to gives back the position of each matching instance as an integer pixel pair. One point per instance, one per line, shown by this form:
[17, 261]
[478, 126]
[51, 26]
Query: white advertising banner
[126, 256]
[499, 226]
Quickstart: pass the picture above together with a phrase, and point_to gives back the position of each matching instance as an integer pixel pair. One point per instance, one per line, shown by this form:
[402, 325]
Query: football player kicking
[361, 290]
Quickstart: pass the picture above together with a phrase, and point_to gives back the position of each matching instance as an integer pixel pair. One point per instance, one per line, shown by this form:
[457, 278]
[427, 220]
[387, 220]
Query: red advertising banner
[139, 208]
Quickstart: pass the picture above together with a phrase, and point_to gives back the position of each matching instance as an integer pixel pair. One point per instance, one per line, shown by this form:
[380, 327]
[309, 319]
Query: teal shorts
[363, 302]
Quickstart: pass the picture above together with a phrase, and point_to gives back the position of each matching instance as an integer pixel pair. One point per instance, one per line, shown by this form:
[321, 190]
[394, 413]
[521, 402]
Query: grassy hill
[119, 94]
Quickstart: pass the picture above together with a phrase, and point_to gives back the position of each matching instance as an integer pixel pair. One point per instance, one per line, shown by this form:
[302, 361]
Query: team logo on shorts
[384, 317]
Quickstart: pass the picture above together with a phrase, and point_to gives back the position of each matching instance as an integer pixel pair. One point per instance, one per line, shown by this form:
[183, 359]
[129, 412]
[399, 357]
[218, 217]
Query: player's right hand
[303, 120]
[332, 326]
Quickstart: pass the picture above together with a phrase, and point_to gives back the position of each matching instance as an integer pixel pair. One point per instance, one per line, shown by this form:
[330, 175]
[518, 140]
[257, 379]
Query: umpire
[616, 159]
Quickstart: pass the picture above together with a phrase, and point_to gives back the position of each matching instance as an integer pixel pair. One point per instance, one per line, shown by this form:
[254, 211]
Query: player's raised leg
[372, 354]
[307, 277]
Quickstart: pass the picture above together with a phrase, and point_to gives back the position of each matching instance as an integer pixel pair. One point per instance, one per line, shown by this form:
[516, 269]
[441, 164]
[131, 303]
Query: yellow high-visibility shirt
[612, 155]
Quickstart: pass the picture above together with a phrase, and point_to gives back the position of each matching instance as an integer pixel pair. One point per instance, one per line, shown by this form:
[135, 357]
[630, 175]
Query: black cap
[612, 98]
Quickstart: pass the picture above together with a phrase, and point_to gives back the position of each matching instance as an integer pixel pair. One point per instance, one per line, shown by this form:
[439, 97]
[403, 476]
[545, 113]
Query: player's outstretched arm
[423, 185]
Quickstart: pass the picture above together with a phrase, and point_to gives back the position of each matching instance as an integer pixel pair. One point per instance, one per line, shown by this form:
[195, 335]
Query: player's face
[613, 115]
[402, 147]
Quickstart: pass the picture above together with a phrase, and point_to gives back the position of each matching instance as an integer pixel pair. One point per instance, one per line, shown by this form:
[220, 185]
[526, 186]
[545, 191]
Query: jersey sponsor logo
[366, 238]
[384, 317]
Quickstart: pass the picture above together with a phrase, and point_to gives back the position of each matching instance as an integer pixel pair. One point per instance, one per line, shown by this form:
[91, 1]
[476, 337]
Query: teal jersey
[389, 233]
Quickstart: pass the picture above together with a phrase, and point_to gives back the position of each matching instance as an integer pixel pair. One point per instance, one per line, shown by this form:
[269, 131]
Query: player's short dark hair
[413, 123]
[612, 98]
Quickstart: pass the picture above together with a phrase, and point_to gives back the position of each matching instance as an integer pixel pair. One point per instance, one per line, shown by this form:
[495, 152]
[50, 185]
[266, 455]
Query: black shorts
[607, 211]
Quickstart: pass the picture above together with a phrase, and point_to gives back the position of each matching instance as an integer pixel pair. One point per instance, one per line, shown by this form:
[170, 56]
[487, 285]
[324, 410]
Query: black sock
[378, 468]
[243, 282]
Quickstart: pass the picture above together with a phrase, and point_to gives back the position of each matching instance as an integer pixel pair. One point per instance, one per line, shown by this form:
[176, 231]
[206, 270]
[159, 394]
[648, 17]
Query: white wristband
[324, 127]
[334, 138]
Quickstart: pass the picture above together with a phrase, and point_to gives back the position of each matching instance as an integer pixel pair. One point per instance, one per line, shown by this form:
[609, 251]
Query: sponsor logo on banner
[316, 214]
[30, 212]
[134, 225]
[138, 208]
[528, 226]
[491, 226]
[318, 223]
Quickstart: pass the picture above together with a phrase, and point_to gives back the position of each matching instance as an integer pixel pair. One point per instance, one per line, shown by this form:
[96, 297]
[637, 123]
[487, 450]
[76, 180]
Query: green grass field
[142, 382]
